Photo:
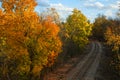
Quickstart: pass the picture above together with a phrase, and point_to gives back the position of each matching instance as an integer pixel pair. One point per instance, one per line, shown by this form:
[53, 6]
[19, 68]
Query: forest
[32, 44]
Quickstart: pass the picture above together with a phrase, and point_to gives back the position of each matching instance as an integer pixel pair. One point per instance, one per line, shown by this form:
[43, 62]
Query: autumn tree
[99, 27]
[27, 44]
[112, 37]
[77, 30]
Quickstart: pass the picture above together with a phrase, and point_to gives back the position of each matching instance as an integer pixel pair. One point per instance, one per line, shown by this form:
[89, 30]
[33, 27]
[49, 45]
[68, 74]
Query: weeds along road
[86, 68]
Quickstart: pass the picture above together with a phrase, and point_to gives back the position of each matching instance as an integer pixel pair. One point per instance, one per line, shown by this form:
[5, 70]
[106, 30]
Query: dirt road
[84, 70]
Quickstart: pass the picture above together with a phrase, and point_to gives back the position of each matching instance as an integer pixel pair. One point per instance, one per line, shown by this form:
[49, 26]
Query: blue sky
[90, 8]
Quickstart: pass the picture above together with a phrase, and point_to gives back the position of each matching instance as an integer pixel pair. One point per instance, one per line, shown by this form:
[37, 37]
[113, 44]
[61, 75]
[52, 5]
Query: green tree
[77, 29]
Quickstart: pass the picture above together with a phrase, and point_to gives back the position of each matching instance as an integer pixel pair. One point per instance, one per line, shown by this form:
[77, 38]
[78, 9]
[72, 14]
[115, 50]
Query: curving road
[86, 68]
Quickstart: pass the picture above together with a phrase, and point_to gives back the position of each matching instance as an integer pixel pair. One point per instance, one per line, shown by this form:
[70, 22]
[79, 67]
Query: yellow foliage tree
[78, 29]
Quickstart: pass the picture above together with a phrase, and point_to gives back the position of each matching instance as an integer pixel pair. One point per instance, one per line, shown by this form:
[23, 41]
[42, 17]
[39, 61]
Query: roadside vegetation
[32, 44]
[108, 32]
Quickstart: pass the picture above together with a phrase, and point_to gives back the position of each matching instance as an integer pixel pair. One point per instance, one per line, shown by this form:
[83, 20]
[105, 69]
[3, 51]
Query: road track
[86, 68]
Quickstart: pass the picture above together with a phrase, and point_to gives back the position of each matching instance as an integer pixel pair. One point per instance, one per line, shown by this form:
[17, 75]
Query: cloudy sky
[90, 8]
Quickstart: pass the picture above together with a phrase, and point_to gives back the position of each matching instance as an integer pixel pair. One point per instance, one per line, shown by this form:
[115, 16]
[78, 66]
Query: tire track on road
[81, 70]
[92, 71]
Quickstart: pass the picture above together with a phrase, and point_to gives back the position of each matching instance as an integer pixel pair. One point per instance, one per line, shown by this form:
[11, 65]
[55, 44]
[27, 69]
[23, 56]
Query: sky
[90, 8]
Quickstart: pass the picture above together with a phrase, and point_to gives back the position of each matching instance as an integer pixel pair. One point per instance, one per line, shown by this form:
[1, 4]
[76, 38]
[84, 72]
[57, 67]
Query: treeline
[108, 31]
[32, 42]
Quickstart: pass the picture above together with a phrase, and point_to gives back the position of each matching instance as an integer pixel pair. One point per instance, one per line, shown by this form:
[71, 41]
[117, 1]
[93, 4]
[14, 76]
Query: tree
[112, 37]
[77, 29]
[27, 44]
[99, 27]
[52, 13]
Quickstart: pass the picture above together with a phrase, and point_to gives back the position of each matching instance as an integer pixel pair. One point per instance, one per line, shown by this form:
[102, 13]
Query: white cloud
[111, 9]
[115, 6]
[95, 5]
[109, 13]
[88, 0]
[91, 0]
[62, 10]
[99, 5]
[60, 7]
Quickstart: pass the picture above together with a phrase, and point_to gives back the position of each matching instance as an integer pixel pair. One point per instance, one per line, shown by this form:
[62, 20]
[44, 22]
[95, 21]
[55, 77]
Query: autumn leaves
[26, 44]
[29, 42]
[108, 31]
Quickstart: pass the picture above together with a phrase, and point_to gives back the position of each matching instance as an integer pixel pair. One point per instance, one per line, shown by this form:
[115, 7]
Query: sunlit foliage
[27, 44]
[77, 29]
[112, 36]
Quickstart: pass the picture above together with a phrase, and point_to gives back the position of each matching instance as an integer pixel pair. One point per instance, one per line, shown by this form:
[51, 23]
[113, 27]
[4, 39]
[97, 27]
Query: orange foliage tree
[112, 36]
[26, 44]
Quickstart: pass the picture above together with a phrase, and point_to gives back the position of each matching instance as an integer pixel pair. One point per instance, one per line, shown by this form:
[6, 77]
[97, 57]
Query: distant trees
[27, 44]
[51, 12]
[99, 27]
